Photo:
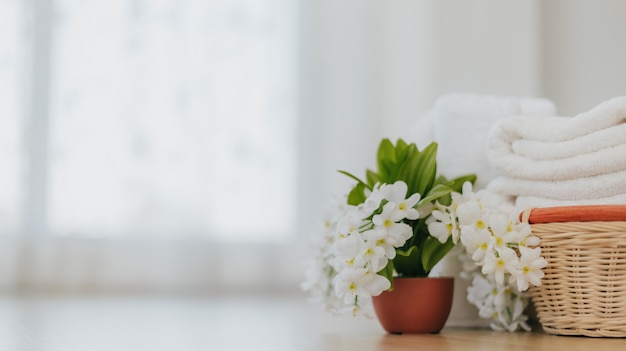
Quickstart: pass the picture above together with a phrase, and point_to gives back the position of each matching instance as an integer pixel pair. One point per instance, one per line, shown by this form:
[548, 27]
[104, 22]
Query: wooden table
[270, 322]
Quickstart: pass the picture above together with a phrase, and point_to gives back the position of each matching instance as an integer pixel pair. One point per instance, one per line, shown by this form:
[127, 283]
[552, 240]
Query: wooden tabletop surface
[276, 323]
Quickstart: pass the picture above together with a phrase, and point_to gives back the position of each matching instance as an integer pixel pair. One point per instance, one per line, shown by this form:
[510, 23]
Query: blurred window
[160, 118]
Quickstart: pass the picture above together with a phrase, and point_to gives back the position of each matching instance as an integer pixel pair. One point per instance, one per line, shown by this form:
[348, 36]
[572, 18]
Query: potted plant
[382, 241]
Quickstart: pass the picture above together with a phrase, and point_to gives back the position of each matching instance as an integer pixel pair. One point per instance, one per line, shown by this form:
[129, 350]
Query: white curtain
[193, 145]
[146, 140]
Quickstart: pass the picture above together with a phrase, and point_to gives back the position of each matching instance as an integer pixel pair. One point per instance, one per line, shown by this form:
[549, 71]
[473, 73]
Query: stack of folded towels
[460, 123]
[545, 161]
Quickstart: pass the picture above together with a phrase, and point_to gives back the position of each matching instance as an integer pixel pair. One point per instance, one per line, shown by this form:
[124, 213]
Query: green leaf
[351, 176]
[454, 185]
[412, 149]
[408, 262]
[357, 194]
[426, 170]
[407, 169]
[385, 158]
[406, 253]
[403, 151]
[401, 147]
[433, 251]
[389, 176]
[441, 180]
[457, 183]
[372, 178]
[435, 193]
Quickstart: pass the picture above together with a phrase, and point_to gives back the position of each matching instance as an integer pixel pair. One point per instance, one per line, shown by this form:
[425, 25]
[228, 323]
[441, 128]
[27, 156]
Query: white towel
[589, 144]
[604, 115]
[524, 202]
[459, 123]
[577, 189]
[547, 150]
[583, 165]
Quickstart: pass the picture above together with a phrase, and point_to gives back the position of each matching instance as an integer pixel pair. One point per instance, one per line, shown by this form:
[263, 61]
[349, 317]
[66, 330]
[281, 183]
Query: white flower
[530, 241]
[498, 254]
[506, 262]
[388, 217]
[357, 245]
[380, 238]
[503, 304]
[479, 291]
[389, 221]
[361, 283]
[347, 248]
[501, 227]
[468, 264]
[529, 269]
[405, 207]
[319, 272]
[373, 256]
[471, 214]
[526, 237]
[510, 316]
[349, 223]
[372, 203]
[478, 242]
[466, 195]
[442, 225]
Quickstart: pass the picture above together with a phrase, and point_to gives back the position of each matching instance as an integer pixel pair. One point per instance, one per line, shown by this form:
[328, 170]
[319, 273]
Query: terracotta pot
[415, 305]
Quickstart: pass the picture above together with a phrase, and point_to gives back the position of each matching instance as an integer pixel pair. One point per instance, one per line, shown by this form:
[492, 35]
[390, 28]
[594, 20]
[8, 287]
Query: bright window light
[172, 118]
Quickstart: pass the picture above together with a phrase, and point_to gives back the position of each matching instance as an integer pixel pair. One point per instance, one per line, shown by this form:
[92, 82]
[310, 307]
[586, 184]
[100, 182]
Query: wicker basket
[583, 291]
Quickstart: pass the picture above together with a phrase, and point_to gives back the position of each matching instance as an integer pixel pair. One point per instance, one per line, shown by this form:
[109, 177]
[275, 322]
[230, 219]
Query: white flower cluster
[357, 245]
[504, 259]
[319, 273]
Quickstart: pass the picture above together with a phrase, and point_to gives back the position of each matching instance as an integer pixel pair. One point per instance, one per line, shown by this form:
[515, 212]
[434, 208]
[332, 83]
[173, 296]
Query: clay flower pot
[415, 305]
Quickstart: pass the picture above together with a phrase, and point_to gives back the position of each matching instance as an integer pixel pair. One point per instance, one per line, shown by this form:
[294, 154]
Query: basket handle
[587, 213]
[525, 215]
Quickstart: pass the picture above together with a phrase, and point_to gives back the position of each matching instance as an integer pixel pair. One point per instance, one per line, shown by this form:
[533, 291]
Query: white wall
[583, 52]
[487, 47]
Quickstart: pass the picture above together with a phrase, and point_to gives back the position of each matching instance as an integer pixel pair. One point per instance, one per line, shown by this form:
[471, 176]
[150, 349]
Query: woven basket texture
[583, 291]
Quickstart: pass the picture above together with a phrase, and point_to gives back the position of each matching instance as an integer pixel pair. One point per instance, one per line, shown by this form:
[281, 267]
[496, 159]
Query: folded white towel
[578, 189]
[547, 150]
[579, 166]
[459, 123]
[604, 115]
[524, 202]
[589, 144]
